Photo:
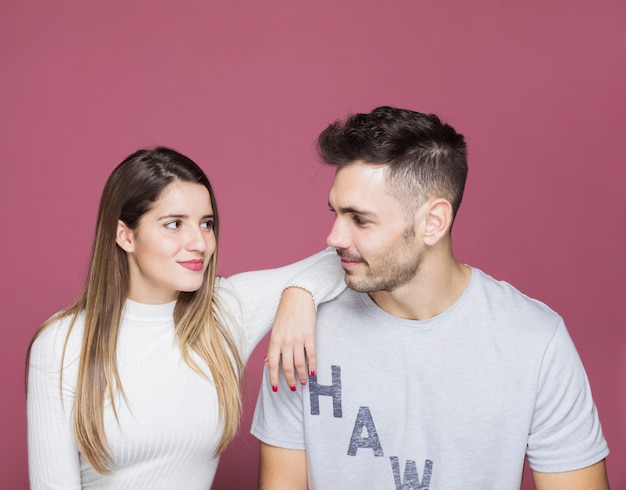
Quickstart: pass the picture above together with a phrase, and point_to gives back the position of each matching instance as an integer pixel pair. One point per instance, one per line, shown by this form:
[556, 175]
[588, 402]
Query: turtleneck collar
[148, 313]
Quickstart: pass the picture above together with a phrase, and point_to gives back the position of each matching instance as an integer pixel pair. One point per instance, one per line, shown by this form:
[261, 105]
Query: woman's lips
[192, 265]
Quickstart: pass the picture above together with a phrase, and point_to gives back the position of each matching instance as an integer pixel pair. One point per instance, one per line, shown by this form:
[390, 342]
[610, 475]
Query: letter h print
[334, 390]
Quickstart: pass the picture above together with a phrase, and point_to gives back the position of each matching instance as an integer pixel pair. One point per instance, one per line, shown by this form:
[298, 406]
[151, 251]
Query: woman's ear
[438, 220]
[124, 237]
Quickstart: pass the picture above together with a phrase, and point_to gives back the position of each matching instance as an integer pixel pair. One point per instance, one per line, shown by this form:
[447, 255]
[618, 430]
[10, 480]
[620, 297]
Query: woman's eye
[208, 225]
[173, 225]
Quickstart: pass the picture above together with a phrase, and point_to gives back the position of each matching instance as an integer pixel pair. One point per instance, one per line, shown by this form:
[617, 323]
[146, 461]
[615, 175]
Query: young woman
[136, 384]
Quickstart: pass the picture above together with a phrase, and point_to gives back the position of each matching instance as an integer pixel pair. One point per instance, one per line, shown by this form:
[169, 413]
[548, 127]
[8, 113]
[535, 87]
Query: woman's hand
[293, 338]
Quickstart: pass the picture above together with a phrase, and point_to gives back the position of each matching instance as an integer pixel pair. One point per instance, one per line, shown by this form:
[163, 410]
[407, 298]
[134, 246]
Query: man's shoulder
[504, 298]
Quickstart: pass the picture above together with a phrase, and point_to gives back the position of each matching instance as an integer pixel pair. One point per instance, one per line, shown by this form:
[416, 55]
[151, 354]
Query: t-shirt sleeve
[565, 432]
[253, 297]
[278, 417]
[53, 457]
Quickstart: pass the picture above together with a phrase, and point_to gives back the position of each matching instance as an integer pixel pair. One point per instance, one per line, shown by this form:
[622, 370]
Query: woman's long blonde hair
[129, 193]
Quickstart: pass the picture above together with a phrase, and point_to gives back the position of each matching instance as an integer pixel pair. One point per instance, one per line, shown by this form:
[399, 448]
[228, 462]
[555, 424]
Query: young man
[430, 374]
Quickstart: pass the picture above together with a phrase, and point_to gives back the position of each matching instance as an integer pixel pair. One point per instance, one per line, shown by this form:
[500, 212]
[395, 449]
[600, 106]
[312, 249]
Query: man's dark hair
[424, 157]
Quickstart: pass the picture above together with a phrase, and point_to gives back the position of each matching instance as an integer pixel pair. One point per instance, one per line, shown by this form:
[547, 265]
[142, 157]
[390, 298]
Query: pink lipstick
[193, 265]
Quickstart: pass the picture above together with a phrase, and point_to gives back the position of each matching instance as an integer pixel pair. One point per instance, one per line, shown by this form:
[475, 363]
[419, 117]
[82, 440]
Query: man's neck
[436, 287]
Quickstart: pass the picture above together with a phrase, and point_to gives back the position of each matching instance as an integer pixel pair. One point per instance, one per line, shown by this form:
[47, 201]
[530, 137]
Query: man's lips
[193, 265]
[350, 261]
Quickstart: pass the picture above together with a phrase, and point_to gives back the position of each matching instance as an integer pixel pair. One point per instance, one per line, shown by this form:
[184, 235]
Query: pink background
[244, 87]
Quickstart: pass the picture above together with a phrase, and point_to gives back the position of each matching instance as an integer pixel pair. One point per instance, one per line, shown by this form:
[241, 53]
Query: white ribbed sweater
[168, 432]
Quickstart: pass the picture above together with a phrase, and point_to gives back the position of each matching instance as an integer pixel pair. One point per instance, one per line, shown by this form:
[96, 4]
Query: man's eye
[173, 225]
[358, 220]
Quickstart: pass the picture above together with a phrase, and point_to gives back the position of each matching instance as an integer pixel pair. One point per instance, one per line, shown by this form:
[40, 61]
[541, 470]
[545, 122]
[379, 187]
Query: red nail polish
[312, 373]
[303, 383]
[274, 388]
[292, 388]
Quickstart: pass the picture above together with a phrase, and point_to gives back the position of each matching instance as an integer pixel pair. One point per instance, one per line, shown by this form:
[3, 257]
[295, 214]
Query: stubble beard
[391, 271]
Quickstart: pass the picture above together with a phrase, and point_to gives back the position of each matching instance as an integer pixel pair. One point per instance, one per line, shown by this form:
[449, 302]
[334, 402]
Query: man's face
[372, 233]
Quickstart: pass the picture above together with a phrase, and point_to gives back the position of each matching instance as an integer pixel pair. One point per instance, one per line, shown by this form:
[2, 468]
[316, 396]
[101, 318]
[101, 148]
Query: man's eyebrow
[351, 209]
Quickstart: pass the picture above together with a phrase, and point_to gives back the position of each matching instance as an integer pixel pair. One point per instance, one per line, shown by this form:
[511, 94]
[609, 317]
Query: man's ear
[124, 237]
[438, 220]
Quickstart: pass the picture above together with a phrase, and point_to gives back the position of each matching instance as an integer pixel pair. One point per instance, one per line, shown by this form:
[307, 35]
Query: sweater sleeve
[53, 457]
[252, 297]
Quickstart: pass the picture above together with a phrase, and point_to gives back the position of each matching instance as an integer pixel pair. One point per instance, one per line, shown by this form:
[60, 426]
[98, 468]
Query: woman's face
[171, 248]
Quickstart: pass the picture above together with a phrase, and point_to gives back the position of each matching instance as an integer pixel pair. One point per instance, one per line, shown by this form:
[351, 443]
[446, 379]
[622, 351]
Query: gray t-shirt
[456, 401]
